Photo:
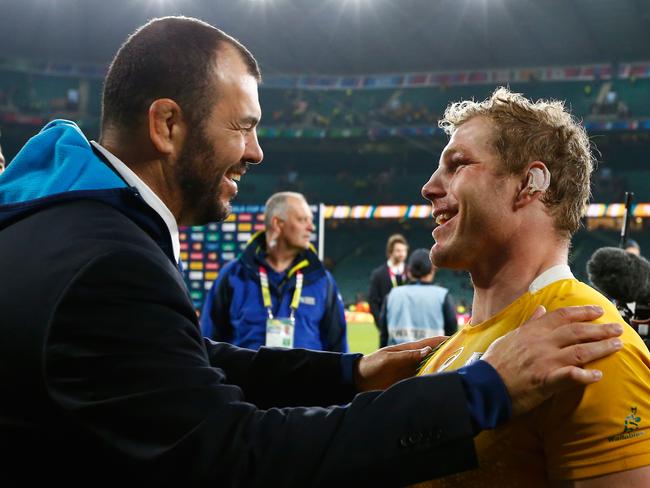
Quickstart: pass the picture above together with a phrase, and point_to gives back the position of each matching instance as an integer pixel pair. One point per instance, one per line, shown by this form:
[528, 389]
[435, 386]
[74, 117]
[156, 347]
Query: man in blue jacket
[277, 285]
[105, 376]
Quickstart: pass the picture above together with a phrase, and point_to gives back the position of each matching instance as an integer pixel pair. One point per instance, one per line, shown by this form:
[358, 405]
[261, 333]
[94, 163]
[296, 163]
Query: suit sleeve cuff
[348, 364]
[487, 397]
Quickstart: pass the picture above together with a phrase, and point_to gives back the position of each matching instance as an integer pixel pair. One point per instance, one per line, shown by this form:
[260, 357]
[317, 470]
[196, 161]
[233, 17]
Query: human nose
[253, 153]
[434, 188]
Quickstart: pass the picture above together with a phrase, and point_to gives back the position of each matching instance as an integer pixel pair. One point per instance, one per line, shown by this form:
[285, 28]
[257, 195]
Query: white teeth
[442, 218]
[235, 177]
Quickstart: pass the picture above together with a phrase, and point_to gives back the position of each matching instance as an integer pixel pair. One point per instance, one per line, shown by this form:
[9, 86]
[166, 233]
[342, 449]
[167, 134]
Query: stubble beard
[200, 188]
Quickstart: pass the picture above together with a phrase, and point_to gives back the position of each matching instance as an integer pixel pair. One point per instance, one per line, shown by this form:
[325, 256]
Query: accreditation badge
[279, 333]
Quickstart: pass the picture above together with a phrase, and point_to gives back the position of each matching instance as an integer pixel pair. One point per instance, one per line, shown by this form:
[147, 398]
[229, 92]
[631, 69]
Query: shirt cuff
[487, 397]
[348, 364]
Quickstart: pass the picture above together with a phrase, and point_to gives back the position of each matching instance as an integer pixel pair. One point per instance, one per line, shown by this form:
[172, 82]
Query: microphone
[620, 275]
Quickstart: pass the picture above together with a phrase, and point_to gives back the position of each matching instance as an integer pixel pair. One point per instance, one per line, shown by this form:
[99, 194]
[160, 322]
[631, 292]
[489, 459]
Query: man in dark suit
[389, 275]
[105, 376]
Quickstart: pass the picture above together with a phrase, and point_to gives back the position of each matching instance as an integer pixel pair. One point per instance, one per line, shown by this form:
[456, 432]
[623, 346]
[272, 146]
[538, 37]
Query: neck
[394, 262]
[428, 278]
[500, 281]
[280, 256]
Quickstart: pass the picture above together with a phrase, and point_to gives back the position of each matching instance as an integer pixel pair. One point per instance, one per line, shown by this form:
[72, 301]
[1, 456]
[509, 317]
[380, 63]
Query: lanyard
[393, 278]
[266, 294]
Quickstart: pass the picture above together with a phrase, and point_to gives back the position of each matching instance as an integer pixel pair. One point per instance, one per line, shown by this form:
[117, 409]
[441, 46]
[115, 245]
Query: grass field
[363, 337]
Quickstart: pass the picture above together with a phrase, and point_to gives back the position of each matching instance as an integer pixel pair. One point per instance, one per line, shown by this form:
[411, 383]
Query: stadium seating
[48, 94]
[423, 106]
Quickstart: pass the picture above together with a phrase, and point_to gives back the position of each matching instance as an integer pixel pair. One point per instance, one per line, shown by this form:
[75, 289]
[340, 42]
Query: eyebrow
[251, 120]
[455, 150]
[449, 153]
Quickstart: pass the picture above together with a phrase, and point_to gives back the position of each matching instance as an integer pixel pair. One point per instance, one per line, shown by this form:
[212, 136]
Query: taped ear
[539, 179]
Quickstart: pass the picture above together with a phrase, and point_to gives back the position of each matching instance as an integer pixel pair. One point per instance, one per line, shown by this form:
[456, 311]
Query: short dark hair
[392, 240]
[419, 263]
[168, 57]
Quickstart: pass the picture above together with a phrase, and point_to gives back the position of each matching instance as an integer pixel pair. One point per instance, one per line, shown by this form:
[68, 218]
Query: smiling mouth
[444, 217]
[236, 172]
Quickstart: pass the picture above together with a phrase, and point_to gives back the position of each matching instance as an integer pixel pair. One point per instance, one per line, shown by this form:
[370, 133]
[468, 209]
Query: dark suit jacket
[380, 287]
[105, 378]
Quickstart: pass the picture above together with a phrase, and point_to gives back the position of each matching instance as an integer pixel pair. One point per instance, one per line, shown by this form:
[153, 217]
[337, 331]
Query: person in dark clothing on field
[389, 275]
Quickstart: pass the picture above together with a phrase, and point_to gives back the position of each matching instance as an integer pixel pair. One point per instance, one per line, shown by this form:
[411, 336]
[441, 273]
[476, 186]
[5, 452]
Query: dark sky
[349, 36]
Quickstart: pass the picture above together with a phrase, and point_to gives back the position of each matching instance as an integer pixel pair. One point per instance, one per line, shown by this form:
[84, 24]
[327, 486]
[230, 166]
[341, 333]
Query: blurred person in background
[510, 189]
[417, 309]
[278, 281]
[389, 275]
[633, 247]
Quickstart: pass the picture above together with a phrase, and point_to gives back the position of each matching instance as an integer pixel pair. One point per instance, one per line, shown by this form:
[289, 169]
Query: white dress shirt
[147, 195]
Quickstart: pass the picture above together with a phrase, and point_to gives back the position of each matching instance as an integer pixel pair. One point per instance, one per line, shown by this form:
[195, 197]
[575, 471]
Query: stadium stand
[422, 106]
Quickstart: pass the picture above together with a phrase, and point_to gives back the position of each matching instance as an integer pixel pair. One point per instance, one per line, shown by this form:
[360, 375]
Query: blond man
[510, 190]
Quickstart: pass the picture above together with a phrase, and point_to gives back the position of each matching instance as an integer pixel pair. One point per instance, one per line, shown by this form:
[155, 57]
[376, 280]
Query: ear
[276, 224]
[534, 184]
[167, 129]
[274, 229]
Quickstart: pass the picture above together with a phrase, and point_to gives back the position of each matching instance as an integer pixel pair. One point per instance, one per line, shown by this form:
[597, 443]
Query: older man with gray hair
[277, 293]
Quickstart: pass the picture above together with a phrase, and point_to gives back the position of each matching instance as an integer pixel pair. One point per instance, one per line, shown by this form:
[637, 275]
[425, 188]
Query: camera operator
[624, 277]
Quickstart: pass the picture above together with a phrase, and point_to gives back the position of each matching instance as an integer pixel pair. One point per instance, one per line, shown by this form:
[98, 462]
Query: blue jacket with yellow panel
[234, 309]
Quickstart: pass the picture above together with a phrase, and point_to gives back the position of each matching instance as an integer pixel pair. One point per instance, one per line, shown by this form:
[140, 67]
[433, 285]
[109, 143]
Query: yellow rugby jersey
[584, 432]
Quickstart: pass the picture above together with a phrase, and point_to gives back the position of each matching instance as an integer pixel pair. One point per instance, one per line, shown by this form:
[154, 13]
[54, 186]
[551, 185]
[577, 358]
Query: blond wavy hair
[527, 131]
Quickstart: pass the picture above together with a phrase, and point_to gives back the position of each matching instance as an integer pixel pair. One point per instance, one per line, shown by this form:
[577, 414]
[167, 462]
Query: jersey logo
[450, 359]
[473, 358]
[631, 426]
[632, 421]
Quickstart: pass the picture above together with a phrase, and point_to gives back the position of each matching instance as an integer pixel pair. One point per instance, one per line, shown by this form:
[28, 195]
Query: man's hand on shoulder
[546, 354]
[383, 368]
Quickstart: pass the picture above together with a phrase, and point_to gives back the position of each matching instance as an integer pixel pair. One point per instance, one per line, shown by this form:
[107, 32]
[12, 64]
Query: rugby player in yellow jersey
[509, 191]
